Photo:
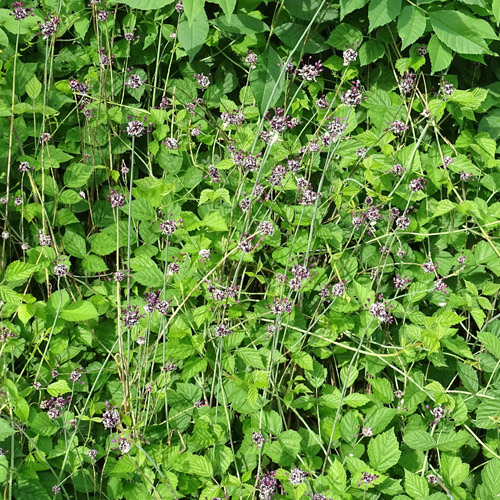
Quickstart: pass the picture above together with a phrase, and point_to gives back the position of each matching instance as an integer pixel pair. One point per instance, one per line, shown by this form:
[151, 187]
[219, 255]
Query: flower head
[309, 71]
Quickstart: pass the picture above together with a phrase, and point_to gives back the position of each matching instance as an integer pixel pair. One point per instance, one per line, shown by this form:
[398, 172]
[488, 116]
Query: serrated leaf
[337, 477]
[58, 387]
[468, 376]
[267, 79]
[215, 222]
[491, 343]
[348, 6]
[251, 357]
[33, 88]
[192, 9]
[81, 310]
[416, 486]
[143, 4]
[381, 12]
[192, 37]
[383, 451]
[77, 175]
[490, 475]
[303, 360]
[6, 429]
[411, 25]
[419, 440]
[200, 466]
[443, 207]
[370, 52]
[25, 312]
[241, 24]
[8, 295]
[451, 441]
[439, 54]
[454, 29]
[18, 271]
[74, 244]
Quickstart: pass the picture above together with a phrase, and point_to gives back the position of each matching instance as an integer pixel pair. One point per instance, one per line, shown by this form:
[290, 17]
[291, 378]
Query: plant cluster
[250, 249]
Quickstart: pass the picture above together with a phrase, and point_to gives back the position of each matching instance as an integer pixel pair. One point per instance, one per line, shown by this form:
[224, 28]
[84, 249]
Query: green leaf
[77, 175]
[370, 51]
[381, 12]
[193, 37]
[241, 24]
[495, 8]
[411, 25]
[454, 471]
[337, 477]
[192, 9]
[383, 451]
[215, 222]
[468, 376]
[33, 88]
[251, 357]
[452, 441]
[454, 30]
[267, 79]
[303, 360]
[18, 271]
[382, 389]
[490, 475]
[149, 276]
[419, 440]
[439, 54]
[290, 33]
[93, 264]
[488, 414]
[307, 9]
[491, 343]
[8, 295]
[141, 210]
[443, 207]
[317, 375]
[22, 409]
[26, 311]
[416, 486]
[348, 6]
[379, 418]
[143, 4]
[58, 387]
[74, 244]
[200, 466]
[227, 6]
[79, 311]
[344, 34]
[6, 429]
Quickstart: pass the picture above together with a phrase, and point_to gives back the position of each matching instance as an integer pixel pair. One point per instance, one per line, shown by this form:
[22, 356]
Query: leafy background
[189, 401]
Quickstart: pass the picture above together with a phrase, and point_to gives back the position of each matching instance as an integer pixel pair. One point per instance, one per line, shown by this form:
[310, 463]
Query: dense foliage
[250, 249]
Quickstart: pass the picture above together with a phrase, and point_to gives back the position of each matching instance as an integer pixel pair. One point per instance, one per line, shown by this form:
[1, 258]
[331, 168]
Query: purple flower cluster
[267, 485]
[131, 316]
[111, 417]
[134, 81]
[353, 96]
[53, 406]
[309, 71]
[407, 82]
[169, 226]
[234, 118]
[116, 199]
[379, 310]
[280, 122]
[49, 27]
[20, 12]
[397, 127]
[281, 306]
